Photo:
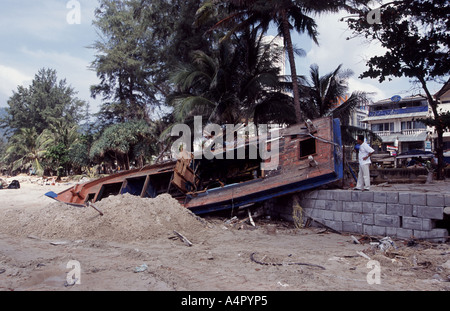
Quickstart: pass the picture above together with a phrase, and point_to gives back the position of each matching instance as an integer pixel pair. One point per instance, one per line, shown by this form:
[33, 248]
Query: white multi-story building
[395, 121]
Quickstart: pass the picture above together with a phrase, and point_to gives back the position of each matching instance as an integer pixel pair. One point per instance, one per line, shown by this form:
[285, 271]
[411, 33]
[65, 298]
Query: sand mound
[126, 218]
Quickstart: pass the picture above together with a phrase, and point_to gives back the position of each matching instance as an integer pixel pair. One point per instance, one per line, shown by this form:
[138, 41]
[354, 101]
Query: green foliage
[27, 149]
[240, 82]
[320, 94]
[45, 100]
[124, 141]
[42, 119]
[287, 15]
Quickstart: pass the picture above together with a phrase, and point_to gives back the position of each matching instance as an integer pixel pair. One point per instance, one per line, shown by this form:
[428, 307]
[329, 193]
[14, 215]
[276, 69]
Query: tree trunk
[290, 50]
[439, 147]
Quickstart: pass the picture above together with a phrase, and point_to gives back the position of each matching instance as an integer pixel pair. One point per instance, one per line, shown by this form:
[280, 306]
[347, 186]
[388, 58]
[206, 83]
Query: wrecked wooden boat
[307, 156]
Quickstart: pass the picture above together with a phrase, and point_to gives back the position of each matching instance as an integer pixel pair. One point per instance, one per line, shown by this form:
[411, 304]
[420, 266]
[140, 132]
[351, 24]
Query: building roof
[444, 90]
[404, 99]
[396, 116]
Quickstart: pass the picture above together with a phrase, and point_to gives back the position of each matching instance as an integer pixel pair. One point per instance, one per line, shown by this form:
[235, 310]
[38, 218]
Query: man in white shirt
[365, 151]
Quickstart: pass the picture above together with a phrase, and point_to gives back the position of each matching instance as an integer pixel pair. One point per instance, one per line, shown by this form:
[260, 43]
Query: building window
[413, 125]
[383, 127]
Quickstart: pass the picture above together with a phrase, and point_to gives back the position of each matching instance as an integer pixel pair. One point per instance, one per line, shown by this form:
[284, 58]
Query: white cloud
[334, 49]
[10, 78]
[359, 85]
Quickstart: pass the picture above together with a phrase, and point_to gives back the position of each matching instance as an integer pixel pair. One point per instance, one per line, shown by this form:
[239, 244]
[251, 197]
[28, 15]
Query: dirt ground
[49, 246]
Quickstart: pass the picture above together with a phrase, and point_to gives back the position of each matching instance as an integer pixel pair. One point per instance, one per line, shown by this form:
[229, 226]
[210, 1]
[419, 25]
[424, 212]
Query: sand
[133, 247]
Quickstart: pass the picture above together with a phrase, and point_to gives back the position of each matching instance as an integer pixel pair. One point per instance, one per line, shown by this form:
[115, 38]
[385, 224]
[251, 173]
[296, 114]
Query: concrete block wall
[394, 214]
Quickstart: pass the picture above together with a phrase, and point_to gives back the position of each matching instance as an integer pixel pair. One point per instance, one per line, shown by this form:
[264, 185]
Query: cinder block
[357, 218]
[427, 224]
[399, 209]
[431, 212]
[337, 215]
[366, 196]
[380, 231]
[379, 197]
[336, 225]
[325, 194]
[328, 215]
[336, 194]
[352, 227]
[418, 198]
[374, 230]
[435, 200]
[368, 229]
[347, 216]
[352, 207]
[320, 204]
[387, 220]
[447, 200]
[391, 197]
[407, 210]
[434, 235]
[374, 208]
[367, 219]
[314, 213]
[333, 205]
[412, 223]
[403, 198]
[344, 195]
[404, 233]
[394, 209]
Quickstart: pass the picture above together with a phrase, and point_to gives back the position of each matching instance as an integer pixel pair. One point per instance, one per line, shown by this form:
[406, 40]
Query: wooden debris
[261, 262]
[251, 219]
[183, 238]
[56, 243]
[95, 207]
[363, 255]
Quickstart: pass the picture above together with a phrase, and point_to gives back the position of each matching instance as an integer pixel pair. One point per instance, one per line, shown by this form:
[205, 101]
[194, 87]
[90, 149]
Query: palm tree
[234, 85]
[327, 95]
[287, 15]
[27, 149]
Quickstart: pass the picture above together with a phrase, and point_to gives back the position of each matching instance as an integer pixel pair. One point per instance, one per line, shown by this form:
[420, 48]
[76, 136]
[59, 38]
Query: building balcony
[388, 112]
[411, 112]
[403, 136]
[403, 132]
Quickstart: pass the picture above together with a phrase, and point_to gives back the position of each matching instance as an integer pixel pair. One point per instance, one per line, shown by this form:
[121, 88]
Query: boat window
[109, 189]
[307, 147]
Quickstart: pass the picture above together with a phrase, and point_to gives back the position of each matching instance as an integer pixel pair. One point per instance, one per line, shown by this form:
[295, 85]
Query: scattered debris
[56, 243]
[141, 268]
[355, 240]
[183, 238]
[252, 257]
[363, 255]
[251, 219]
[384, 244]
[282, 285]
[94, 207]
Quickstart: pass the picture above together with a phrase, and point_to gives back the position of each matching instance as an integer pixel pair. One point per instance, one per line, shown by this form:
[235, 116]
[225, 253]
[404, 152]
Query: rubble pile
[125, 218]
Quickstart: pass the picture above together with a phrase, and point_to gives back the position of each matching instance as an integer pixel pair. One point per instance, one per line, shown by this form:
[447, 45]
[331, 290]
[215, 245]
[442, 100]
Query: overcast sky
[38, 34]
